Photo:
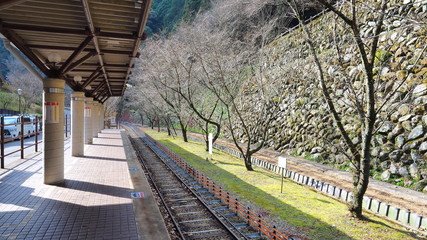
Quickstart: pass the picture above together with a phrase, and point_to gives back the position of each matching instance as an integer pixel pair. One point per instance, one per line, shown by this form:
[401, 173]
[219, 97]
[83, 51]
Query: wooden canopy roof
[97, 40]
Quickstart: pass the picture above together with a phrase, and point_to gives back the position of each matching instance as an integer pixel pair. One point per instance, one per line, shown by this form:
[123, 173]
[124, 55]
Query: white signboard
[282, 162]
[88, 111]
[51, 112]
[210, 138]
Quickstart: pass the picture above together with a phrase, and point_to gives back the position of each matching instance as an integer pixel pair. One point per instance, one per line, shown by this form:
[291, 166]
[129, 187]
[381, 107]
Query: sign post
[282, 165]
[210, 138]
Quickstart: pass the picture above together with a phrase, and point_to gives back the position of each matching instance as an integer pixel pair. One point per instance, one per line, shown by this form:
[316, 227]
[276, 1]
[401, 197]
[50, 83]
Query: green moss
[381, 56]
[314, 215]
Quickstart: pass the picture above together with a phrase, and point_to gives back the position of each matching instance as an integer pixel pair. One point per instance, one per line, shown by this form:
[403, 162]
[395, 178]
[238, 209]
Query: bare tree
[154, 74]
[31, 86]
[178, 75]
[366, 100]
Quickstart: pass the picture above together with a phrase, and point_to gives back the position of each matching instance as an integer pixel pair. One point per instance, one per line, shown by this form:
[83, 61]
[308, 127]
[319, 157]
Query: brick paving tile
[94, 202]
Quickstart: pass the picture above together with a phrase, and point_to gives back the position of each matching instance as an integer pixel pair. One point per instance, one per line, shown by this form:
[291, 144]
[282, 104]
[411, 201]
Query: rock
[419, 186]
[403, 110]
[385, 165]
[424, 119]
[403, 171]
[413, 144]
[417, 157]
[317, 156]
[395, 155]
[372, 24]
[380, 139]
[414, 171]
[416, 120]
[400, 141]
[407, 182]
[420, 100]
[376, 151]
[405, 160]
[405, 118]
[385, 176]
[397, 23]
[386, 127]
[420, 90]
[417, 132]
[407, 125]
[316, 150]
[348, 57]
[397, 130]
[393, 169]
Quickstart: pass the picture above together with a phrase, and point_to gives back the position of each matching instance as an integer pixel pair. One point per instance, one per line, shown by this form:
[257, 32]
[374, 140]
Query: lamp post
[19, 99]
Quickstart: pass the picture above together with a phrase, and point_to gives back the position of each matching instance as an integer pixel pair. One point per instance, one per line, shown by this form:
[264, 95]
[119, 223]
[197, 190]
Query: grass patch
[312, 214]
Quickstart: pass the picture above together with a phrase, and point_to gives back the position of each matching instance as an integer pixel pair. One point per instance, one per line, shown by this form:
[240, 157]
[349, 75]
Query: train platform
[105, 196]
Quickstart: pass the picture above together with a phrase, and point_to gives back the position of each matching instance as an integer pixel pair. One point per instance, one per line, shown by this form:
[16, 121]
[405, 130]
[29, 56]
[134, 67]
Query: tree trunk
[248, 162]
[184, 131]
[142, 119]
[169, 130]
[361, 185]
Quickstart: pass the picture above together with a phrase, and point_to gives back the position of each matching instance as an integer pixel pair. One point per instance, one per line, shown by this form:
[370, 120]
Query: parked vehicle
[33, 120]
[12, 131]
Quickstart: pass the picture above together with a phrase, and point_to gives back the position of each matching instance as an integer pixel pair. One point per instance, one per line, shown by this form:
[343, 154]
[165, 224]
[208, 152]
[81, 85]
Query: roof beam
[92, 77]
[106, 65]
[4, 4]
[79, 32]
[20, 44]
[101, 85]
[102, 93]
[74, 55]
[63, 48]
[142, 21]
[95, 39]
[80, 61]
[89, 70]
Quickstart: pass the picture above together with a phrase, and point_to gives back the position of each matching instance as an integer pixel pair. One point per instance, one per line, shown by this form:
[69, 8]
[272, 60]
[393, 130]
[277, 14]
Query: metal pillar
[77, 123]
[88, 120]
[53, 130]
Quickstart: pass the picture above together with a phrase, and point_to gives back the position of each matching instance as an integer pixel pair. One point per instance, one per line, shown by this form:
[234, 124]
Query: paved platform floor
[94, 203]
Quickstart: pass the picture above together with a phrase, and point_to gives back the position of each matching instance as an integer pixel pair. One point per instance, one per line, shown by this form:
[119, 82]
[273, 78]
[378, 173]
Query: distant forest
[166, 14]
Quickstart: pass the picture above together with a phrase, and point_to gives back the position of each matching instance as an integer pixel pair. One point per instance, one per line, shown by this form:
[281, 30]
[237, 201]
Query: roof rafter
[4, 4]
[92, 77]
[95, 39]
[82, 32]
[74, 55]
[80, 61]
[64, 48]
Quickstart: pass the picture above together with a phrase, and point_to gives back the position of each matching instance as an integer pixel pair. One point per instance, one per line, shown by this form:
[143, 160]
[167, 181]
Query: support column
[95, 119]
[77, 123]
[101, 120]
[88, 120]
[53, 130]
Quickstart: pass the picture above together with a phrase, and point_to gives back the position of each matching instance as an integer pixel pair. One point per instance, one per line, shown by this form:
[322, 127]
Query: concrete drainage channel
[402, 216]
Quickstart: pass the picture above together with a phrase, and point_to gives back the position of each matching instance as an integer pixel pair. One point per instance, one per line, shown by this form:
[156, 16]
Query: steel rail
[151, 180]
[182, 181]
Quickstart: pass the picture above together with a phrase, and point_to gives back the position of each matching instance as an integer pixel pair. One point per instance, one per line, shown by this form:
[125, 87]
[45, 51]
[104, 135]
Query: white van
[33, 120]
[13, 131]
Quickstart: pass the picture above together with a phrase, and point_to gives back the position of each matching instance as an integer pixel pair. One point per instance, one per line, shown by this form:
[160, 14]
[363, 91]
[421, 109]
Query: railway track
[195, 212]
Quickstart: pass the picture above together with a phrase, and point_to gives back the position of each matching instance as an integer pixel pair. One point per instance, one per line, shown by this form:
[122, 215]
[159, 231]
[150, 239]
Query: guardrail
[21, 137]
[252, 218]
